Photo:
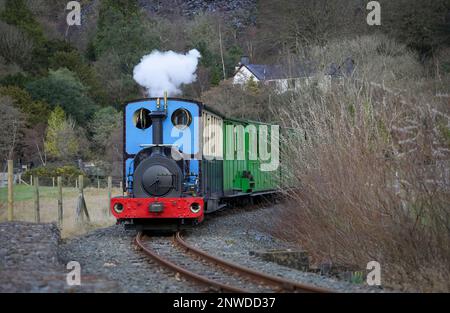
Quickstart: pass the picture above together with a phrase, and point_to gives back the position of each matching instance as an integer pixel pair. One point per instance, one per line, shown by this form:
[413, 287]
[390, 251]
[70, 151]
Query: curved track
[216, 273]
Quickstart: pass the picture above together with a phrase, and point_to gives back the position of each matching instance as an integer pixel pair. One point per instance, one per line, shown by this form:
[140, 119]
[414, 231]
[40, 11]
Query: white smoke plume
[166, 71]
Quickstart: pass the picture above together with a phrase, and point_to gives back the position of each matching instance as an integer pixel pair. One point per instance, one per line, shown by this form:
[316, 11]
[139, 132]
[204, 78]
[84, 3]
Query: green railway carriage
[246, 176]
[237, 171]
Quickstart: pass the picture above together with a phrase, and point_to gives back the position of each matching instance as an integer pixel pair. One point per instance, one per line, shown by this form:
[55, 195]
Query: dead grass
[372, 183]
[96, 201]
[371, 171]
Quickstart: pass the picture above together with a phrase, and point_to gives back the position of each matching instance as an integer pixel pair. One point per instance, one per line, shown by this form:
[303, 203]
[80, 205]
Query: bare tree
[15, 46]
[11, 123]
[287, 25]
[221, 53]
[34, 147]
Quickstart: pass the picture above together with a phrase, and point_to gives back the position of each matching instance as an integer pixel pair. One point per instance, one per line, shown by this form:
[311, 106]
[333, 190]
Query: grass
[96, 201]
[24, 192]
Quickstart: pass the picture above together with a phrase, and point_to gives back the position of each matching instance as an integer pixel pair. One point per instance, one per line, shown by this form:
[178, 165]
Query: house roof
[270, 72]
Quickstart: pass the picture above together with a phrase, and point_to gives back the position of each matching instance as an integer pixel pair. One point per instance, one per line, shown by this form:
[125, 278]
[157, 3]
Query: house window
[271, 83]
[291, 83]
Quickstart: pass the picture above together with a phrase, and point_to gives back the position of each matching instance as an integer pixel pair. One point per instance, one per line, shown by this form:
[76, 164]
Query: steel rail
[188, 274]
[283, 284]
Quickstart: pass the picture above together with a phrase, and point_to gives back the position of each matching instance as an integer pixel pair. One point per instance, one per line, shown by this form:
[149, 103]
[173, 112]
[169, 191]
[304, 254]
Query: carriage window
[142, 119]
[181, 118]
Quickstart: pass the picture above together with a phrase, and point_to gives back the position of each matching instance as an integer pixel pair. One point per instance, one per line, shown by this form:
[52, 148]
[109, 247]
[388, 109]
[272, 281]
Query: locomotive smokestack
[158, 117]
[157, 120]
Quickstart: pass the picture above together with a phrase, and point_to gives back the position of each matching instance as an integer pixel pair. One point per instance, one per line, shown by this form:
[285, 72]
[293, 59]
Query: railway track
[216, 273]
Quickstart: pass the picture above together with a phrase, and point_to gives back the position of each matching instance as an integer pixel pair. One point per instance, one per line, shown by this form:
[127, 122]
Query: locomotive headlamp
[118, 208]
[195, 207]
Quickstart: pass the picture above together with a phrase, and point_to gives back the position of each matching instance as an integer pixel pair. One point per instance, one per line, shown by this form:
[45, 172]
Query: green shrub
[63, 88]
[67, 172]
[35, 112]
[85, 73]
[17, 13]
[18, 80]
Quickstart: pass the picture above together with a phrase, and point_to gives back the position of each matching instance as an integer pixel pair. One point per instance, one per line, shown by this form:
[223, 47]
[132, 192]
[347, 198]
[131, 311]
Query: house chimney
[245, 60]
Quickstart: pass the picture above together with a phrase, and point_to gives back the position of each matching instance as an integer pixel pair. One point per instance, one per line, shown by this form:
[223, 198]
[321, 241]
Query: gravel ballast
[30, 261]
[232, 235]
[29, 258]
[33, 258]
[111, 253]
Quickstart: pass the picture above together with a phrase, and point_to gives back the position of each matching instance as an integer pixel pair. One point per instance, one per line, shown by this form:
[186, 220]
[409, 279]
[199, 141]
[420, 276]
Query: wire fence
[75, 204]
[88, 182]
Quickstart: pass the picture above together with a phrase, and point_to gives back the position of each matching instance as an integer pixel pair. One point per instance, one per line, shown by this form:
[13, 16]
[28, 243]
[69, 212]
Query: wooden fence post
[37, 214]
[10, 190]
[60, 203]
[109, 193]
[98, 183]
[81, 184]
[81, 207]
[31, 180]
[53, 182]
[109, 187]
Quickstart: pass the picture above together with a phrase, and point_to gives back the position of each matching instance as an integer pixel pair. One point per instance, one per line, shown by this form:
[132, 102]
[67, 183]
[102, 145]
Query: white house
[284, 78]
[4, 179]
